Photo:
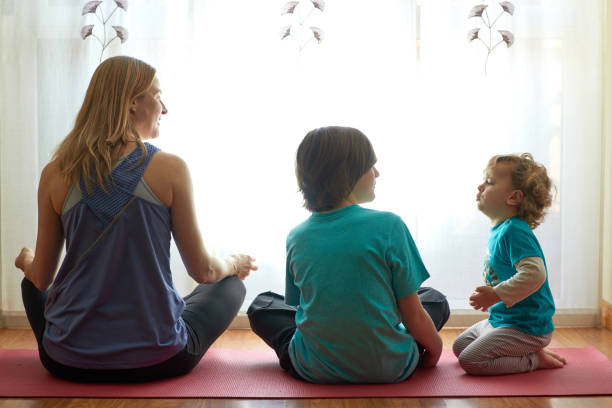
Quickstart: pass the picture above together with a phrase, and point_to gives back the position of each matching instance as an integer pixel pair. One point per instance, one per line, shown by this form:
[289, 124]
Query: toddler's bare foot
[549, 359]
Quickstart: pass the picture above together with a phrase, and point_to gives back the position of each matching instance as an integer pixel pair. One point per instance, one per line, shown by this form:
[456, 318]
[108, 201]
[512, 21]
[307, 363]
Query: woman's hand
[24, 259]
[483, 297]
[242, 264]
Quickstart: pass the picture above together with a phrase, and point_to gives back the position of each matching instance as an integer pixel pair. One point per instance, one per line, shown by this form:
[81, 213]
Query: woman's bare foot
[549, 359]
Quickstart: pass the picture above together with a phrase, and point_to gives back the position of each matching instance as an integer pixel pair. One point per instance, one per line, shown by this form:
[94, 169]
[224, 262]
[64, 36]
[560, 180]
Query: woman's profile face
[146, 112]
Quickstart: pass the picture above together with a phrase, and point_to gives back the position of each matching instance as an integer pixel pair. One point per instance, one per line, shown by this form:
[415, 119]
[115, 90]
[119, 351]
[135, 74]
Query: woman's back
[116, 275]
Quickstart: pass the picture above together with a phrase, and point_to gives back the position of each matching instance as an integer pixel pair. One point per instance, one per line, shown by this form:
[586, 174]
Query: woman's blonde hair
[532, 179]
[103, 126]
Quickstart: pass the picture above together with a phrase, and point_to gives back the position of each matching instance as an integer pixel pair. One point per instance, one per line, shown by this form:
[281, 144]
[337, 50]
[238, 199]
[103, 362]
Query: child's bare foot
[549, 359]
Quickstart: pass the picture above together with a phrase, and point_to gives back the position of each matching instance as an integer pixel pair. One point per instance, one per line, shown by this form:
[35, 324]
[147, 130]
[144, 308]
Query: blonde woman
[112, 313]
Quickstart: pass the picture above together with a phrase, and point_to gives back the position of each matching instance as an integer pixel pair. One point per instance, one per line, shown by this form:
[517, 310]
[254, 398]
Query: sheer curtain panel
[240, 99]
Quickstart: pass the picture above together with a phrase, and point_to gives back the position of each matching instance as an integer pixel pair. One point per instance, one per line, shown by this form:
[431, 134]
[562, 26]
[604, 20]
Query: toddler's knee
[469, 364]
[458, 347]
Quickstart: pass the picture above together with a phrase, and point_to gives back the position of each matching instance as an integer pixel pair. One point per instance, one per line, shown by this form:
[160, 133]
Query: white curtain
[240, 99]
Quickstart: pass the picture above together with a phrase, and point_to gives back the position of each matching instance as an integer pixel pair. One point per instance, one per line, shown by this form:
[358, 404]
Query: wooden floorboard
[245, 339]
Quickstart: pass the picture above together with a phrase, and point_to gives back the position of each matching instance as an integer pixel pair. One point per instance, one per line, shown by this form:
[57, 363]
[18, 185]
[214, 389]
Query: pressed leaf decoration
[320, 4]
[477, 11]
[122, 4]
[90, 7]
[121, 33]
[508, 7]
[507, 37]
[86, 31]
[289, 7]
[473, 34]
[317, 33]
[285, 31]
[300, 12]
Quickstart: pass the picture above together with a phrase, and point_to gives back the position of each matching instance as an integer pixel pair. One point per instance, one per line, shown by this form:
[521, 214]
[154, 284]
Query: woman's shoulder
[167, 167]
[54, 185]
[165, 173]
[168, 160]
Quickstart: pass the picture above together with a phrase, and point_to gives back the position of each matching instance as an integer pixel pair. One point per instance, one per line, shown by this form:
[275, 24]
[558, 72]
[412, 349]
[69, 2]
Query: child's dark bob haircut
[330, 161]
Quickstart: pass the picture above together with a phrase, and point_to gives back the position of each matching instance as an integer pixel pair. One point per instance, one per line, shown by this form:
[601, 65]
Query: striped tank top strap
[125, 178]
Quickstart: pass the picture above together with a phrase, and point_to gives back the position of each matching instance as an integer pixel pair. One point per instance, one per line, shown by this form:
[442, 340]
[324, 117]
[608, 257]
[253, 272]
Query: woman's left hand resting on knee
[24, 260]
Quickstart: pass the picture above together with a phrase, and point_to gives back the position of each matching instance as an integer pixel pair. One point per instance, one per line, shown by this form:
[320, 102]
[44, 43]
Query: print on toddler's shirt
[490, 276]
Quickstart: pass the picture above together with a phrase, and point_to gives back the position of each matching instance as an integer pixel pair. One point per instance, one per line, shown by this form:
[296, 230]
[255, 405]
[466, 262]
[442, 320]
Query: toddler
[514, 195]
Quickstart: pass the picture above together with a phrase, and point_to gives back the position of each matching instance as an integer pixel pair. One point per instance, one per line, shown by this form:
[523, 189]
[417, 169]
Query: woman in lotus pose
[112, 313]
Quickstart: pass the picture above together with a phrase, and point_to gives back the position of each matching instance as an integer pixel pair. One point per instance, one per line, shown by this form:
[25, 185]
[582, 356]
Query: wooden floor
[245, 339]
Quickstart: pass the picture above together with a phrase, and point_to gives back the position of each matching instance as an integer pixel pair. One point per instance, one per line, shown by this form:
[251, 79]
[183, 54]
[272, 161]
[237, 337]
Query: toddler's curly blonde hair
[532, 179]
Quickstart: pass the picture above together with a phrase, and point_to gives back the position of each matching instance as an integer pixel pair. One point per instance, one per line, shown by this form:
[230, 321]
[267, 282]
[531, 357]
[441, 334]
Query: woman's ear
[515, 198]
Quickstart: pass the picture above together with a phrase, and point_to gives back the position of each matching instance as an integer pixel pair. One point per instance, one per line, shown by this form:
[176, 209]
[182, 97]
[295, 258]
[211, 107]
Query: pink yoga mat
[225, 373]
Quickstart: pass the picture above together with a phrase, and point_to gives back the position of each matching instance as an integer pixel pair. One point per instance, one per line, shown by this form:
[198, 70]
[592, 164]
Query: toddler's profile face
[496, 189]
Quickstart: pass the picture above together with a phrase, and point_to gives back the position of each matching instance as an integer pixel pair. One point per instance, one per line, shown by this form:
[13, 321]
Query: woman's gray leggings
[209, 310]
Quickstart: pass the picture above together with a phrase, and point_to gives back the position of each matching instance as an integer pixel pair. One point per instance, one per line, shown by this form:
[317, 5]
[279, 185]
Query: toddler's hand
[483, 297]
[243, 265]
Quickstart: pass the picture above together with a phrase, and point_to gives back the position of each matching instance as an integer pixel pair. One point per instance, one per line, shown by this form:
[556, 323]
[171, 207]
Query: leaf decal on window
[285, 32]
[90, 7]
[289, 7]
[123, 4]
[473, 34]
[508, 7]
[477, 11]
[507, 36]
[86, 31]
[122, 33]
[320, 4]
[318, 34]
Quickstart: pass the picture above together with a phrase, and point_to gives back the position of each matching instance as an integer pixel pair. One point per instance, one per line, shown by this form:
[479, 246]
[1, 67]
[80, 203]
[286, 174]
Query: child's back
[350, 266]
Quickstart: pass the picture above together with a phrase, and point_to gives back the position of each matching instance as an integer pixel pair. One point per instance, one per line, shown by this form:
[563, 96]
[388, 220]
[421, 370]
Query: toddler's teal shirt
[509, 242]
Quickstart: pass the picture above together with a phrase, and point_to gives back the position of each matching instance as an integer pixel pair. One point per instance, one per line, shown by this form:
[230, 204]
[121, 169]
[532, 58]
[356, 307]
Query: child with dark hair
[354, 310]
[514, 195]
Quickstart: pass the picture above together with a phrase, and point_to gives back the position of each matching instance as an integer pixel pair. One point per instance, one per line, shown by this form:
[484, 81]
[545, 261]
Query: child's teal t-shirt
[509, 242]
[345, 271]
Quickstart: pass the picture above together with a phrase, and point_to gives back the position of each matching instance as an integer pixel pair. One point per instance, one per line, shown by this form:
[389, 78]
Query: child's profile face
[495, 191]
[363, 192]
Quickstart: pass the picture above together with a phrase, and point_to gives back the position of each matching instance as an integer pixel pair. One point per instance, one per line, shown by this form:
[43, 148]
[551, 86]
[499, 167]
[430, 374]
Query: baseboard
[13, 320]
[458, 319]
[462, 318]
[606, 315]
